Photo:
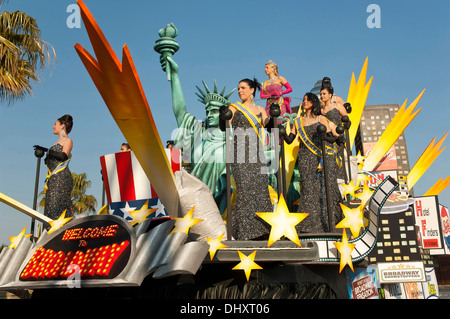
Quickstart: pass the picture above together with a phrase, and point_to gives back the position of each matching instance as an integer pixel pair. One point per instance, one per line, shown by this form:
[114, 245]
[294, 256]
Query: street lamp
[39, 152]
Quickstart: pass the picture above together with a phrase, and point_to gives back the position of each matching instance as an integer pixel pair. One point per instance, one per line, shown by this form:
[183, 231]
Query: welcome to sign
[100, 251]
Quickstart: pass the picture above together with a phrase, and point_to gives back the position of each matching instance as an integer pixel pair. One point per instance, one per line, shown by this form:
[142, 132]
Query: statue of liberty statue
[203, 144]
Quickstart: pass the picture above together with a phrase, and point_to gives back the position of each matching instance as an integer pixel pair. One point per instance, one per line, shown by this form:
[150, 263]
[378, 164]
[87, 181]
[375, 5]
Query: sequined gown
[252, 192]
[313, 195]
[335, 116]
[337, 174]
[58, 194]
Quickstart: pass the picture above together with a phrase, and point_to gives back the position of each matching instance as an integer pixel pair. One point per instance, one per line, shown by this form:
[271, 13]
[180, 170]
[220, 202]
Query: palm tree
[22, 55]
[80, 201]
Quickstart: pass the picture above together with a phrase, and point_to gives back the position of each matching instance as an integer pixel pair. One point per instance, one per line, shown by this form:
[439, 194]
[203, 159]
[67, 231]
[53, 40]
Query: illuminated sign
[100, 251]
[93, 249]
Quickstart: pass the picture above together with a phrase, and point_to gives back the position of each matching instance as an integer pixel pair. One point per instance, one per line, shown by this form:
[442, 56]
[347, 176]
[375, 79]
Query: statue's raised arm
[166, 46]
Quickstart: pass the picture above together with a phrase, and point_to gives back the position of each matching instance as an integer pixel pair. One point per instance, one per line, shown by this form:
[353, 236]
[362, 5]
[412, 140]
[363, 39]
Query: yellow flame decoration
[392, 132]
[357, 96]
[425, 160]
[438, 187]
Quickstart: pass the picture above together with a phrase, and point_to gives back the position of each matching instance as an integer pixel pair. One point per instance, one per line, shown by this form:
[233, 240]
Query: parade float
[164, 234]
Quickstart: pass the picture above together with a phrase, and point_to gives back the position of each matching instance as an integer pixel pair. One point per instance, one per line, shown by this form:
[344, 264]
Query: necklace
[270, 80]
[308, 119]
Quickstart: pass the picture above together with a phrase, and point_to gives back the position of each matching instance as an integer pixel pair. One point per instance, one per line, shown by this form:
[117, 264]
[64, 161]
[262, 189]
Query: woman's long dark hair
[316, 109]
[252, 84]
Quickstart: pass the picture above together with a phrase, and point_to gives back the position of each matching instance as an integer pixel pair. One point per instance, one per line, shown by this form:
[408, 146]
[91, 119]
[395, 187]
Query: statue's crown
[208, 97]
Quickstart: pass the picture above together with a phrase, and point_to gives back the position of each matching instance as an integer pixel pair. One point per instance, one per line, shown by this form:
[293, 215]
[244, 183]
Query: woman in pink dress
[272, 89]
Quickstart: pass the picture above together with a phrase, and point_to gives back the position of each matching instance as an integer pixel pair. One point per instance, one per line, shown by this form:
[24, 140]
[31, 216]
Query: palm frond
[22, 55]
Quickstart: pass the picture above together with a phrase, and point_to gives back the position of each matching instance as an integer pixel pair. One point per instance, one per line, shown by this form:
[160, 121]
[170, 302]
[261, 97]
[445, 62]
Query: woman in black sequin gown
[313, 195]
[249, 165]
[334, 111]
[60, 183]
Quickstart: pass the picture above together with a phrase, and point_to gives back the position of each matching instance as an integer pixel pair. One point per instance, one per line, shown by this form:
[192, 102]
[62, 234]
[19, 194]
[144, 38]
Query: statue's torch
[166, 44]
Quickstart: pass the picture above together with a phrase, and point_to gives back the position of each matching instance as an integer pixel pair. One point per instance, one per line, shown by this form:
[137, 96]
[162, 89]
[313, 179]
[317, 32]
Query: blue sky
[225, 41]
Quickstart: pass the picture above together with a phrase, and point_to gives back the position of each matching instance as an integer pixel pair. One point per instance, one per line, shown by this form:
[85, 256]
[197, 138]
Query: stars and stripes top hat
[124, 178]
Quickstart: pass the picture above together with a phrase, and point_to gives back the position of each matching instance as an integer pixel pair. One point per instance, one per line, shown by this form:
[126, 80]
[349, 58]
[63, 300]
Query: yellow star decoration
[15, 240]
[247, 264]
[354, 219]
[350, 188]
[365, 196]
[140, 215]
[283, 223]
[345, 249]
[362, 178]
[360, 158]
[58, 223]
[215, 245]
[182, 225]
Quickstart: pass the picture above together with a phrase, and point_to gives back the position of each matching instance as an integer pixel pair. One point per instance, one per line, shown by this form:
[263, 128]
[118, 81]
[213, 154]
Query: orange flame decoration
[392, 132]
[438, 187]
[121, 89]
[425, 160]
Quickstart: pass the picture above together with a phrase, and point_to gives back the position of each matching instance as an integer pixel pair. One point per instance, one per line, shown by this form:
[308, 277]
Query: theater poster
[378, 176]
[362, 284]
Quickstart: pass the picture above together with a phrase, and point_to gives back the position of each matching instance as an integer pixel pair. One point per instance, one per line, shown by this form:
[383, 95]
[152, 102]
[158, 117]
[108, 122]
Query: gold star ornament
[58, 223]
[141, 214]
[283, 223]
[365, 196]
[354, 219]
[215, 245]
[350, 188]
[185, 223]
[247, 264]
[345, 249]
[360, 158]
[15, 240]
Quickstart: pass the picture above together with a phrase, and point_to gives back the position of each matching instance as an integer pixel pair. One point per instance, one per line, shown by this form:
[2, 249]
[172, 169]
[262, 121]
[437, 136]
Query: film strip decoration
[397, 238]
[398, 233]
[366, 241]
